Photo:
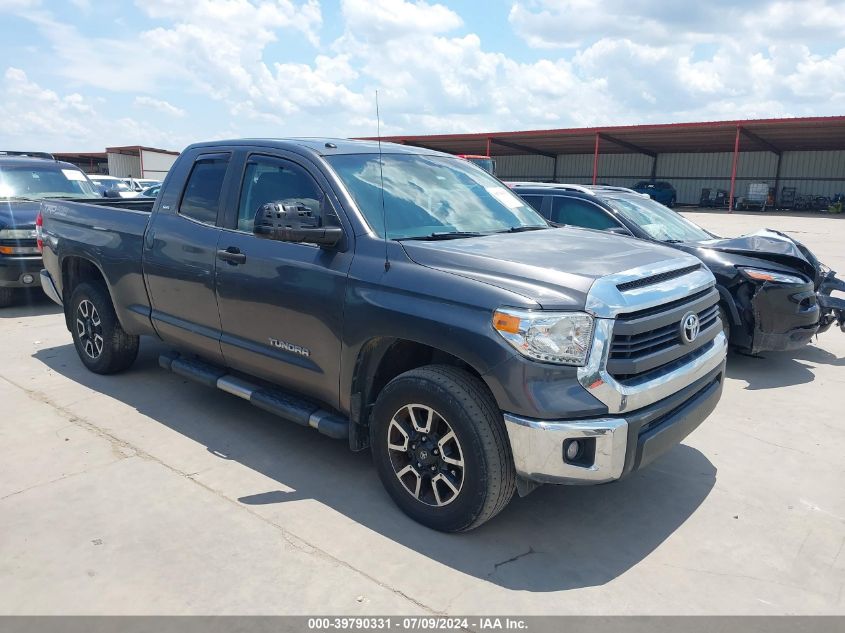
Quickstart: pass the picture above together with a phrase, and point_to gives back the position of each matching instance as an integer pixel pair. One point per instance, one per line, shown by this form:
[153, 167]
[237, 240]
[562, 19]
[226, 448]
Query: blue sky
[80, 75]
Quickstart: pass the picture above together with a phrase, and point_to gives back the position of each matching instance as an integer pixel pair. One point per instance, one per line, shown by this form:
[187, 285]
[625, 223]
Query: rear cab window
[201, 197]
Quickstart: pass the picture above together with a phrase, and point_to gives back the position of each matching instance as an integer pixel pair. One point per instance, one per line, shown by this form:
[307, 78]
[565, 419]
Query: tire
[468, 495]
[672, 202]
[7, 297]
[726, 324]
[101, 342]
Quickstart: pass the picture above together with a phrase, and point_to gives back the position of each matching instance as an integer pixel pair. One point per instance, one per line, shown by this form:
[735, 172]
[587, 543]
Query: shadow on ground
[556, 538]
[770, 370]
[30, 303]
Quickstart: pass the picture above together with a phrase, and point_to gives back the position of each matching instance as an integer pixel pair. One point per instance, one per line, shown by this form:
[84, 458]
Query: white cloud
[382, 20]
[159, 105]
[37, 118]
[623, 62]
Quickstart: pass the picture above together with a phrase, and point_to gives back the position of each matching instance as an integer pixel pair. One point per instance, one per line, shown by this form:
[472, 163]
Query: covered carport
[805, 153]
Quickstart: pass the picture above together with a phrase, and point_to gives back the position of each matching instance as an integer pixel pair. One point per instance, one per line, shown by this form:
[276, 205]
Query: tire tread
[120, 349]
[475, 398]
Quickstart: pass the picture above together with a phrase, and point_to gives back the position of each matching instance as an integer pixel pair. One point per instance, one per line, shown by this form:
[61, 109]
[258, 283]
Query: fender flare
[727, 300]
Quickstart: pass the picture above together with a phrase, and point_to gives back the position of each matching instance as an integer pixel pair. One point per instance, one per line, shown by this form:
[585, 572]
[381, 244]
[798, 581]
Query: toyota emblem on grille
[690, 327]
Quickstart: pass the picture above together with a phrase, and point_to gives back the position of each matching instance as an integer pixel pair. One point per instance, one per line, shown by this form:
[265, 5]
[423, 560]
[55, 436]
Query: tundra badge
[290, 347]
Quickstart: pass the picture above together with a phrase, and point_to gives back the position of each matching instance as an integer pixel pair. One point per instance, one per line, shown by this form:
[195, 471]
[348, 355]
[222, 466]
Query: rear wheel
[101, 342]
[440, 448]
[7, 297]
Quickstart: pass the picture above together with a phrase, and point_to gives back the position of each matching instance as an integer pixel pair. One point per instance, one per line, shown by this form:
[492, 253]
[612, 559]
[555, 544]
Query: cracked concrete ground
[142, 493]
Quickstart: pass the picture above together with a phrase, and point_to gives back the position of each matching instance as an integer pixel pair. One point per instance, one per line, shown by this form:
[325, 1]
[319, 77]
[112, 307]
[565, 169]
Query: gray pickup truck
[402, 300]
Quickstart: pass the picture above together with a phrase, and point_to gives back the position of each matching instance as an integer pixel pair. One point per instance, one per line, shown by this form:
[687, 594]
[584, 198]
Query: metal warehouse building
[122, 162]
[805, 153]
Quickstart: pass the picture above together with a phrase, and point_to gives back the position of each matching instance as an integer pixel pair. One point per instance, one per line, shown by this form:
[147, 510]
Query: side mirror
[111, 193]
[619, 230]
[293, 223]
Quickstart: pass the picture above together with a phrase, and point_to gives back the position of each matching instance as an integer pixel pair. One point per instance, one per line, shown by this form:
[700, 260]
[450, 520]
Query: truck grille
[648, 341]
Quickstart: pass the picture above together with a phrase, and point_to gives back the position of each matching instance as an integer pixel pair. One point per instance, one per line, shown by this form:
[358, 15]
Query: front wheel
[440, 447]
[101, 342]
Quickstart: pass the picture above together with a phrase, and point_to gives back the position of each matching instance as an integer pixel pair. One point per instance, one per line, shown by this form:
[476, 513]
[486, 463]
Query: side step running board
[270, 399]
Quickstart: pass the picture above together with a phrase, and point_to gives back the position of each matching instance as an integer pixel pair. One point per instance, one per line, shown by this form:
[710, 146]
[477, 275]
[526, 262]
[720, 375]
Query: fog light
[572, 450]
[27, 279]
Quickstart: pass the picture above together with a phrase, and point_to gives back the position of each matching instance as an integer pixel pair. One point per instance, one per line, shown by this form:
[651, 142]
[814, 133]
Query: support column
[733, 171]
[554, 170]
[654, 168]
[596, 160]
[777, 180]
[488, 146]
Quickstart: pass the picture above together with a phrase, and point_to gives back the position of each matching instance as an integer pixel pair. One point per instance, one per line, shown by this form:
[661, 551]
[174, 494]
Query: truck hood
[18, 213]
[554, 267]
[766, 245]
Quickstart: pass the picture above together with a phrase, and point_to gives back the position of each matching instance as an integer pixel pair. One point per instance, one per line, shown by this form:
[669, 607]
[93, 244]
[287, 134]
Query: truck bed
[108, 231]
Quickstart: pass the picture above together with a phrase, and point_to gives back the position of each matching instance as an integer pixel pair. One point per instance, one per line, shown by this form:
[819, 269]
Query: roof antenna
[381, 175]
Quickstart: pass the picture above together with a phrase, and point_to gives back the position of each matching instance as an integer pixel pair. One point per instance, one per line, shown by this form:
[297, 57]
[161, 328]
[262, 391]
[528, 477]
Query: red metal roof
[808, 133]
[136, 150]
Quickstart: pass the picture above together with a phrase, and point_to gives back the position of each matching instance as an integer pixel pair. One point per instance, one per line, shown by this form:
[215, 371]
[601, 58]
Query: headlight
[758, 274]
[17, 234]
[552, 337]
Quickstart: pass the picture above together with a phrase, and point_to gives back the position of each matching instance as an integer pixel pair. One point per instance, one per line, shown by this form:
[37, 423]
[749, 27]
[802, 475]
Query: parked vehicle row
[27, 178]
[404, 301]
[114, 187]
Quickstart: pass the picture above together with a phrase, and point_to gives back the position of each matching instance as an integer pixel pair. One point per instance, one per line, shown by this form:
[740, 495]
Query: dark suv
[774, 293]
[659, 190]
[26, 178]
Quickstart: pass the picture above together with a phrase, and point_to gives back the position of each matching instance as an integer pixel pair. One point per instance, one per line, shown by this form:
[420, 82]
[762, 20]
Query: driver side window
[274, 180]
[577, 212]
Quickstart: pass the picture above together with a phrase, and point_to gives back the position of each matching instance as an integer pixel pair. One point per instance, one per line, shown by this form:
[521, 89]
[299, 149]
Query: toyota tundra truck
[401, 300]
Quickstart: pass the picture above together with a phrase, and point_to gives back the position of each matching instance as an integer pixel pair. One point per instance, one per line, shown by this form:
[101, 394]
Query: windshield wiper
[520, 229]
[673, 241]
[453, 235]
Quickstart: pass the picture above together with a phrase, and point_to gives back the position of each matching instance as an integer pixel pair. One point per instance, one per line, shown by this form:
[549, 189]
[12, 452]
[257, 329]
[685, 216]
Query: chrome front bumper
[619, 444]
[537, 447]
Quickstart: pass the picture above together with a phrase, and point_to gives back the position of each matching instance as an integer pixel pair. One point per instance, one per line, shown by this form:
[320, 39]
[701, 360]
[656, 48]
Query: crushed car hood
[555, 267]
[767, 245]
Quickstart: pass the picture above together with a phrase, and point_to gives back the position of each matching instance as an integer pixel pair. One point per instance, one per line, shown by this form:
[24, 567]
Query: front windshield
[425, 195]
[26, 181]
[658, 221]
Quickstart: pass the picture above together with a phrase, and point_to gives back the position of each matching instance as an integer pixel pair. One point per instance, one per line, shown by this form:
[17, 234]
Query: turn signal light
[505, 322]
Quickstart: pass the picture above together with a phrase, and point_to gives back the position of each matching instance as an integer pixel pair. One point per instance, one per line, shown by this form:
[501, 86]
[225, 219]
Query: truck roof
[324, 146]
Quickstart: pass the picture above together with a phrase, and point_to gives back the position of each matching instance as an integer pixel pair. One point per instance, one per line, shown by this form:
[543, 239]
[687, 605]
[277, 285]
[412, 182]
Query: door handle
[232, 255]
